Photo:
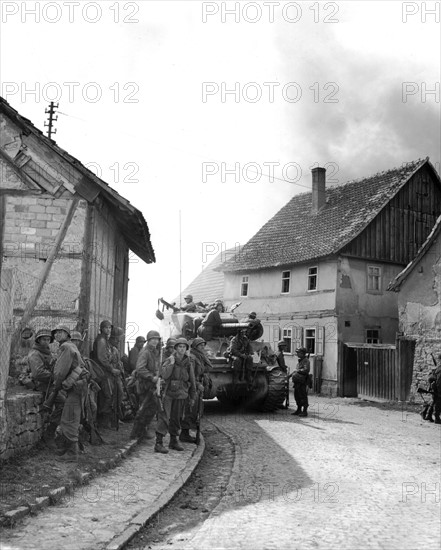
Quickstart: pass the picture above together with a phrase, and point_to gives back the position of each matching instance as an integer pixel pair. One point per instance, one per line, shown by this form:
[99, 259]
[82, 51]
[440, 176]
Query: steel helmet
[302, 350]
[117, 332]
[76, 335]
[170, 343]
[181, 341]
[61, 327]
[105, 323]
[197, 341]
[153, 334]
[44, 332]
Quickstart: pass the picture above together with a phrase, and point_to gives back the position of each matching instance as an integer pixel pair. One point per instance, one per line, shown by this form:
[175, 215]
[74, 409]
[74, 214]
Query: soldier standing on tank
[70, 376]
[41, 365]
[202, 366]
[178, 374]
[240, 350]
[300, 381]
[147, 375]
[103, 355]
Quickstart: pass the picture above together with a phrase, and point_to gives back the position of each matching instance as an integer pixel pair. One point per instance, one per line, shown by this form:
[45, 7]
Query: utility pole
[51, 111]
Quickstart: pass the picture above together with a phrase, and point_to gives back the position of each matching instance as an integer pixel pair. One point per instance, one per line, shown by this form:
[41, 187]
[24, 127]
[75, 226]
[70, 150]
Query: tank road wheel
[276, 391]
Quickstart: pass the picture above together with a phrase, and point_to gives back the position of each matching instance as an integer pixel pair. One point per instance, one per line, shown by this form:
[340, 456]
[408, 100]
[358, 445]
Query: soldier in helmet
[202, 366]
[212, 322]
[134, 352]
[300, 381]
[241, 352]
[103, 355]
[169, 348]
[147, 375]
[41, 366]
[178, 374]
[71, 376]
[190, 306]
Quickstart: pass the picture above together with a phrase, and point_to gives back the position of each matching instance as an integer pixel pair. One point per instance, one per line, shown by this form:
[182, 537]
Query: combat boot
[71, 454]
[174, 444]
[159, 447]
[48, 437]
[304, 412]
[437, 419]
[186, 437]
[297, 412]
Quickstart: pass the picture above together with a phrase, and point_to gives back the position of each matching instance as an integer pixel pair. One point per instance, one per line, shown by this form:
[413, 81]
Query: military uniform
[210, 325]
[437, 395]
[104, 356]
[40, 362]
[241, 352]
[178, 374]
[147, 372]
[300, 380]
[202, 367]
[71, 376]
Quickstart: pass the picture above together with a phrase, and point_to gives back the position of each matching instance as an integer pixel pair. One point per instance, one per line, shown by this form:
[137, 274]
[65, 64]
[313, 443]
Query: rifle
[287, 389]
[158, 382]
[422, 390]
[198, 419]
[434, 360]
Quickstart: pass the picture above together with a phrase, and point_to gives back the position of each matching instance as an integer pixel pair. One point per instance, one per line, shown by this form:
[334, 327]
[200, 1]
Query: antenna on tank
[180, 261]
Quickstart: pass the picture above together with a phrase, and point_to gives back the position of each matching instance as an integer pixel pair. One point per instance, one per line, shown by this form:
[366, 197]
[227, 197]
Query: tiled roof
[295, 235]
[131, 220]
[208, 286]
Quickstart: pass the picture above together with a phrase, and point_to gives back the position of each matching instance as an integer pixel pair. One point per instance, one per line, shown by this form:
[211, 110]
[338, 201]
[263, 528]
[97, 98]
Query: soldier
[251, 317]
[212, 322]
[280, 358]
[437, 392]
[147, 375]
[41, 365]
[300, 381]
[190, 306]
[169, 348]
[178, 374]
[134, 353]
[240, 350]
[202, 367]
[102, 354]
[71, 376]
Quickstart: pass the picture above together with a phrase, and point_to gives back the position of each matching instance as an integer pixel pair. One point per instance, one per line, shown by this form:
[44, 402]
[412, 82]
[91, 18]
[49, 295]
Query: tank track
[276, 391]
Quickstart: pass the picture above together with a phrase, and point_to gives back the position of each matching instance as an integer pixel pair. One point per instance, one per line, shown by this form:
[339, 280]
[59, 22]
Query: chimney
[318, 189]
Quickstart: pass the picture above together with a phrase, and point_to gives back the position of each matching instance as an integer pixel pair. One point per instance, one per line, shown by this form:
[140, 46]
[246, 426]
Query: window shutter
[276, 333]
[320, 341]
[297, 338]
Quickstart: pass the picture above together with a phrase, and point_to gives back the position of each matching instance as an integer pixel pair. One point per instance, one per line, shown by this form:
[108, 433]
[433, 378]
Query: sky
[208, 116]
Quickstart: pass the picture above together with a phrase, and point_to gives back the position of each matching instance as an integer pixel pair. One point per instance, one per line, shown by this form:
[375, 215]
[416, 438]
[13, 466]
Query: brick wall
[24, 423]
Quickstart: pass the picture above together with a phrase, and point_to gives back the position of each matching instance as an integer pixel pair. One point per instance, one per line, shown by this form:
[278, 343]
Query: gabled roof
[208, 286]
[130, 220]
[402, 276]
[295, 235]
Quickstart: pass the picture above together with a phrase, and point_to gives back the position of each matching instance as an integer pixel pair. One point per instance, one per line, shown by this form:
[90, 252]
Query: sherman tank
[266, 391]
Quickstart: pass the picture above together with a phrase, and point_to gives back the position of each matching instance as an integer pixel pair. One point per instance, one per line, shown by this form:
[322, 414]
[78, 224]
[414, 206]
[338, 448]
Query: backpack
[96, 371]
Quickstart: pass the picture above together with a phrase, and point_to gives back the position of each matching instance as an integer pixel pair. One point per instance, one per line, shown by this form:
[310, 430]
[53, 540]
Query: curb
[138, 522]
[9, 519]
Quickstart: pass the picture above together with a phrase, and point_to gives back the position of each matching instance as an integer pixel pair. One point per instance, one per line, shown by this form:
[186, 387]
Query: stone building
[317, 272]
[419, 305]
[65, 237]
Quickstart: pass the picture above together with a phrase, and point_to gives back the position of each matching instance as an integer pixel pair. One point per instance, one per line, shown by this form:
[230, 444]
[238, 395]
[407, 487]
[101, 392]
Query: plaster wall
[360, 309]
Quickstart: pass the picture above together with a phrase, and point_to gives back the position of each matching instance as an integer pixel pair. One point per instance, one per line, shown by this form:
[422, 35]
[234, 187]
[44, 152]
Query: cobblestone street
[346, 477]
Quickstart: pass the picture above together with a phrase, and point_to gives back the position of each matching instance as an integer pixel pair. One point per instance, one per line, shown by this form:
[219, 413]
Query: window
[312, 278]
[372, 336]
[287, 336]
[374, 278]
[244, 286]
[286, 280]
[310, 340]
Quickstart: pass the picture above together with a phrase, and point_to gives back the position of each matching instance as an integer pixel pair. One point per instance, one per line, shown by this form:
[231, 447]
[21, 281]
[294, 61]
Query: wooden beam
[33, 299]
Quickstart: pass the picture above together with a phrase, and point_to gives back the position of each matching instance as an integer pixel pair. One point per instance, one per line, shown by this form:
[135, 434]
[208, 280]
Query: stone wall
[24, 423]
